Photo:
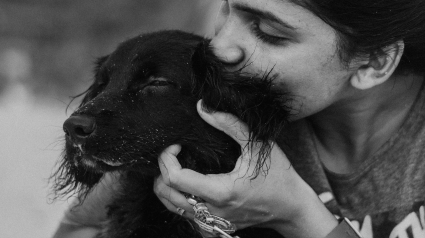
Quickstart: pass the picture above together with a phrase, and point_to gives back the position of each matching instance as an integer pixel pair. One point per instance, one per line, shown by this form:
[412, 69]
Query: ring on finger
[193, 200]
[213, 225]
[180, 211]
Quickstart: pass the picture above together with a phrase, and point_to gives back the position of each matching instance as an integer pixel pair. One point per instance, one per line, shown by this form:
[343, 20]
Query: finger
[171, 207]
[172, 198]
[169, 152]
[175, 177]
[225, 122]
[192, 182]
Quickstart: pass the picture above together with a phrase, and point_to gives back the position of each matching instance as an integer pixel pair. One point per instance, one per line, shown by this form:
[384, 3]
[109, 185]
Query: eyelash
[159, 83]
[272, 40]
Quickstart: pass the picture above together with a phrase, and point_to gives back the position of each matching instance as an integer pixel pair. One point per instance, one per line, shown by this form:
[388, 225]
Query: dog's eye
[155, 84]
[159, 83]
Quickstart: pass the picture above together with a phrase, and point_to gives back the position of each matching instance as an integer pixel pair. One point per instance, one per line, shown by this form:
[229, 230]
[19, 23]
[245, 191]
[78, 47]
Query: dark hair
[367, 27]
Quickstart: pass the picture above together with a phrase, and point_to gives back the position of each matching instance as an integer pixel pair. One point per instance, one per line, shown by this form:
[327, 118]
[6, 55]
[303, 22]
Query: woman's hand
[277, 199]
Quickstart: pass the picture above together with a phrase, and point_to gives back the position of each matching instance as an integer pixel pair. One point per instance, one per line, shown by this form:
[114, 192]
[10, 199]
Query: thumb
[225, 122]
[168, 161]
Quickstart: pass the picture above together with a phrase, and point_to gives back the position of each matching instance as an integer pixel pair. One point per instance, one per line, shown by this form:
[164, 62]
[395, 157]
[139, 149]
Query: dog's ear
[249, 97]
[207, 70]
[202, 60]
[252, 99]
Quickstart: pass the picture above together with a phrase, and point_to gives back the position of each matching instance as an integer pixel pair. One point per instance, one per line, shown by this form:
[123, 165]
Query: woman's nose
[227, 49]
[227, 40]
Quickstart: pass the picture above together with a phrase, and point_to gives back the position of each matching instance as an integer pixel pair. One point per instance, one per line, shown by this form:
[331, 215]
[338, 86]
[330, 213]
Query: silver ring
[212, 224]
[180, 211]
[193, 200]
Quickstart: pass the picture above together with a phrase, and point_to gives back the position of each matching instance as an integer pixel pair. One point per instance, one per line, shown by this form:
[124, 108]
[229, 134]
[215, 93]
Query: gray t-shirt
[385, 197]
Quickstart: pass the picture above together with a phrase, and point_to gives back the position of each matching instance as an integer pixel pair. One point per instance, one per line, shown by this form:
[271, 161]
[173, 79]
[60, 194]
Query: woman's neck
[354, 128]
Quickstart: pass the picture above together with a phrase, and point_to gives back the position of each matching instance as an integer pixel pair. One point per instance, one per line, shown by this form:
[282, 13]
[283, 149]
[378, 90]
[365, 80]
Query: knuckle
[225, 120]
[168, 183]
[172, 180]
[228, 122]
[159, 188]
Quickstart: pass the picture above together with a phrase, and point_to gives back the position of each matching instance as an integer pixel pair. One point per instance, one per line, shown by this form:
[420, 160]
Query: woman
[354, 149]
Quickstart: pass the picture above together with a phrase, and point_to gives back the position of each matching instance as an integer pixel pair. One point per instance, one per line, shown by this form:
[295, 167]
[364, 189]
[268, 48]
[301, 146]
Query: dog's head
[143, 99]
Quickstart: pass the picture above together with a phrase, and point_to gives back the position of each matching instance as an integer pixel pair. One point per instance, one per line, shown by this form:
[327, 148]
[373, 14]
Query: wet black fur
[143, 99]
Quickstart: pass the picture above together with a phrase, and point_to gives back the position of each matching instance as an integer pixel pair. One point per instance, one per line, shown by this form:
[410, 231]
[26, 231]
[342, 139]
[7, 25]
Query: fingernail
[202, 108]
[173, 149]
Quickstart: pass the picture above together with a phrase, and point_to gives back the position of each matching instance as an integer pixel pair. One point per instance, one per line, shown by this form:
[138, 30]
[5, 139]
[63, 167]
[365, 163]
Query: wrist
[310, 219]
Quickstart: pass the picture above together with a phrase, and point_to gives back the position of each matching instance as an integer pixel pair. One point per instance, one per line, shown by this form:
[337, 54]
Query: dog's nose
[78, 128]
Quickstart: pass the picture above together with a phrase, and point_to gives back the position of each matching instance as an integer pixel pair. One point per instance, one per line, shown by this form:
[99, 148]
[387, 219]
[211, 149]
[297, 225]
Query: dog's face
[143, 99]
[138, 104]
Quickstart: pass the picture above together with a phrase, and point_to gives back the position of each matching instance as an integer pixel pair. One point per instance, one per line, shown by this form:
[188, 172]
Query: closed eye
[267, 33]
[152, 84]
[159, 83]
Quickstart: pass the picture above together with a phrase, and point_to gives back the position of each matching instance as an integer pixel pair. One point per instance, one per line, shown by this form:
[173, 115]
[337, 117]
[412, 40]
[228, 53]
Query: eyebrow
[262, 14]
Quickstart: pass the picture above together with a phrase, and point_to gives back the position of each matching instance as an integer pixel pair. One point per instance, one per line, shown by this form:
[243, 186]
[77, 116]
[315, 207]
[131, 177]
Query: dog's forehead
[163, 53]
[159, 46]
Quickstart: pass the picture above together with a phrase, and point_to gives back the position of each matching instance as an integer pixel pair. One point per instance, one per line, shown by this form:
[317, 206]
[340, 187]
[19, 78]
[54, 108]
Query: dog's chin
[87, 170]
[74, 178]
[81, 170]
[86, 176]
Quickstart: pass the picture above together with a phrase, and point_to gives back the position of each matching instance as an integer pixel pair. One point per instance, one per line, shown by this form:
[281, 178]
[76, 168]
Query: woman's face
[299, 48]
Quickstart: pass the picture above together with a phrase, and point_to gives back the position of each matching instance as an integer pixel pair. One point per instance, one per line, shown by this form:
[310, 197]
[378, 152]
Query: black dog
[143, 99]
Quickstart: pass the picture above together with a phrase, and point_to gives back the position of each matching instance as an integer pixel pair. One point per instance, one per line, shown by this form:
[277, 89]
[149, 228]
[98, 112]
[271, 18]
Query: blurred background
[47, 50]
